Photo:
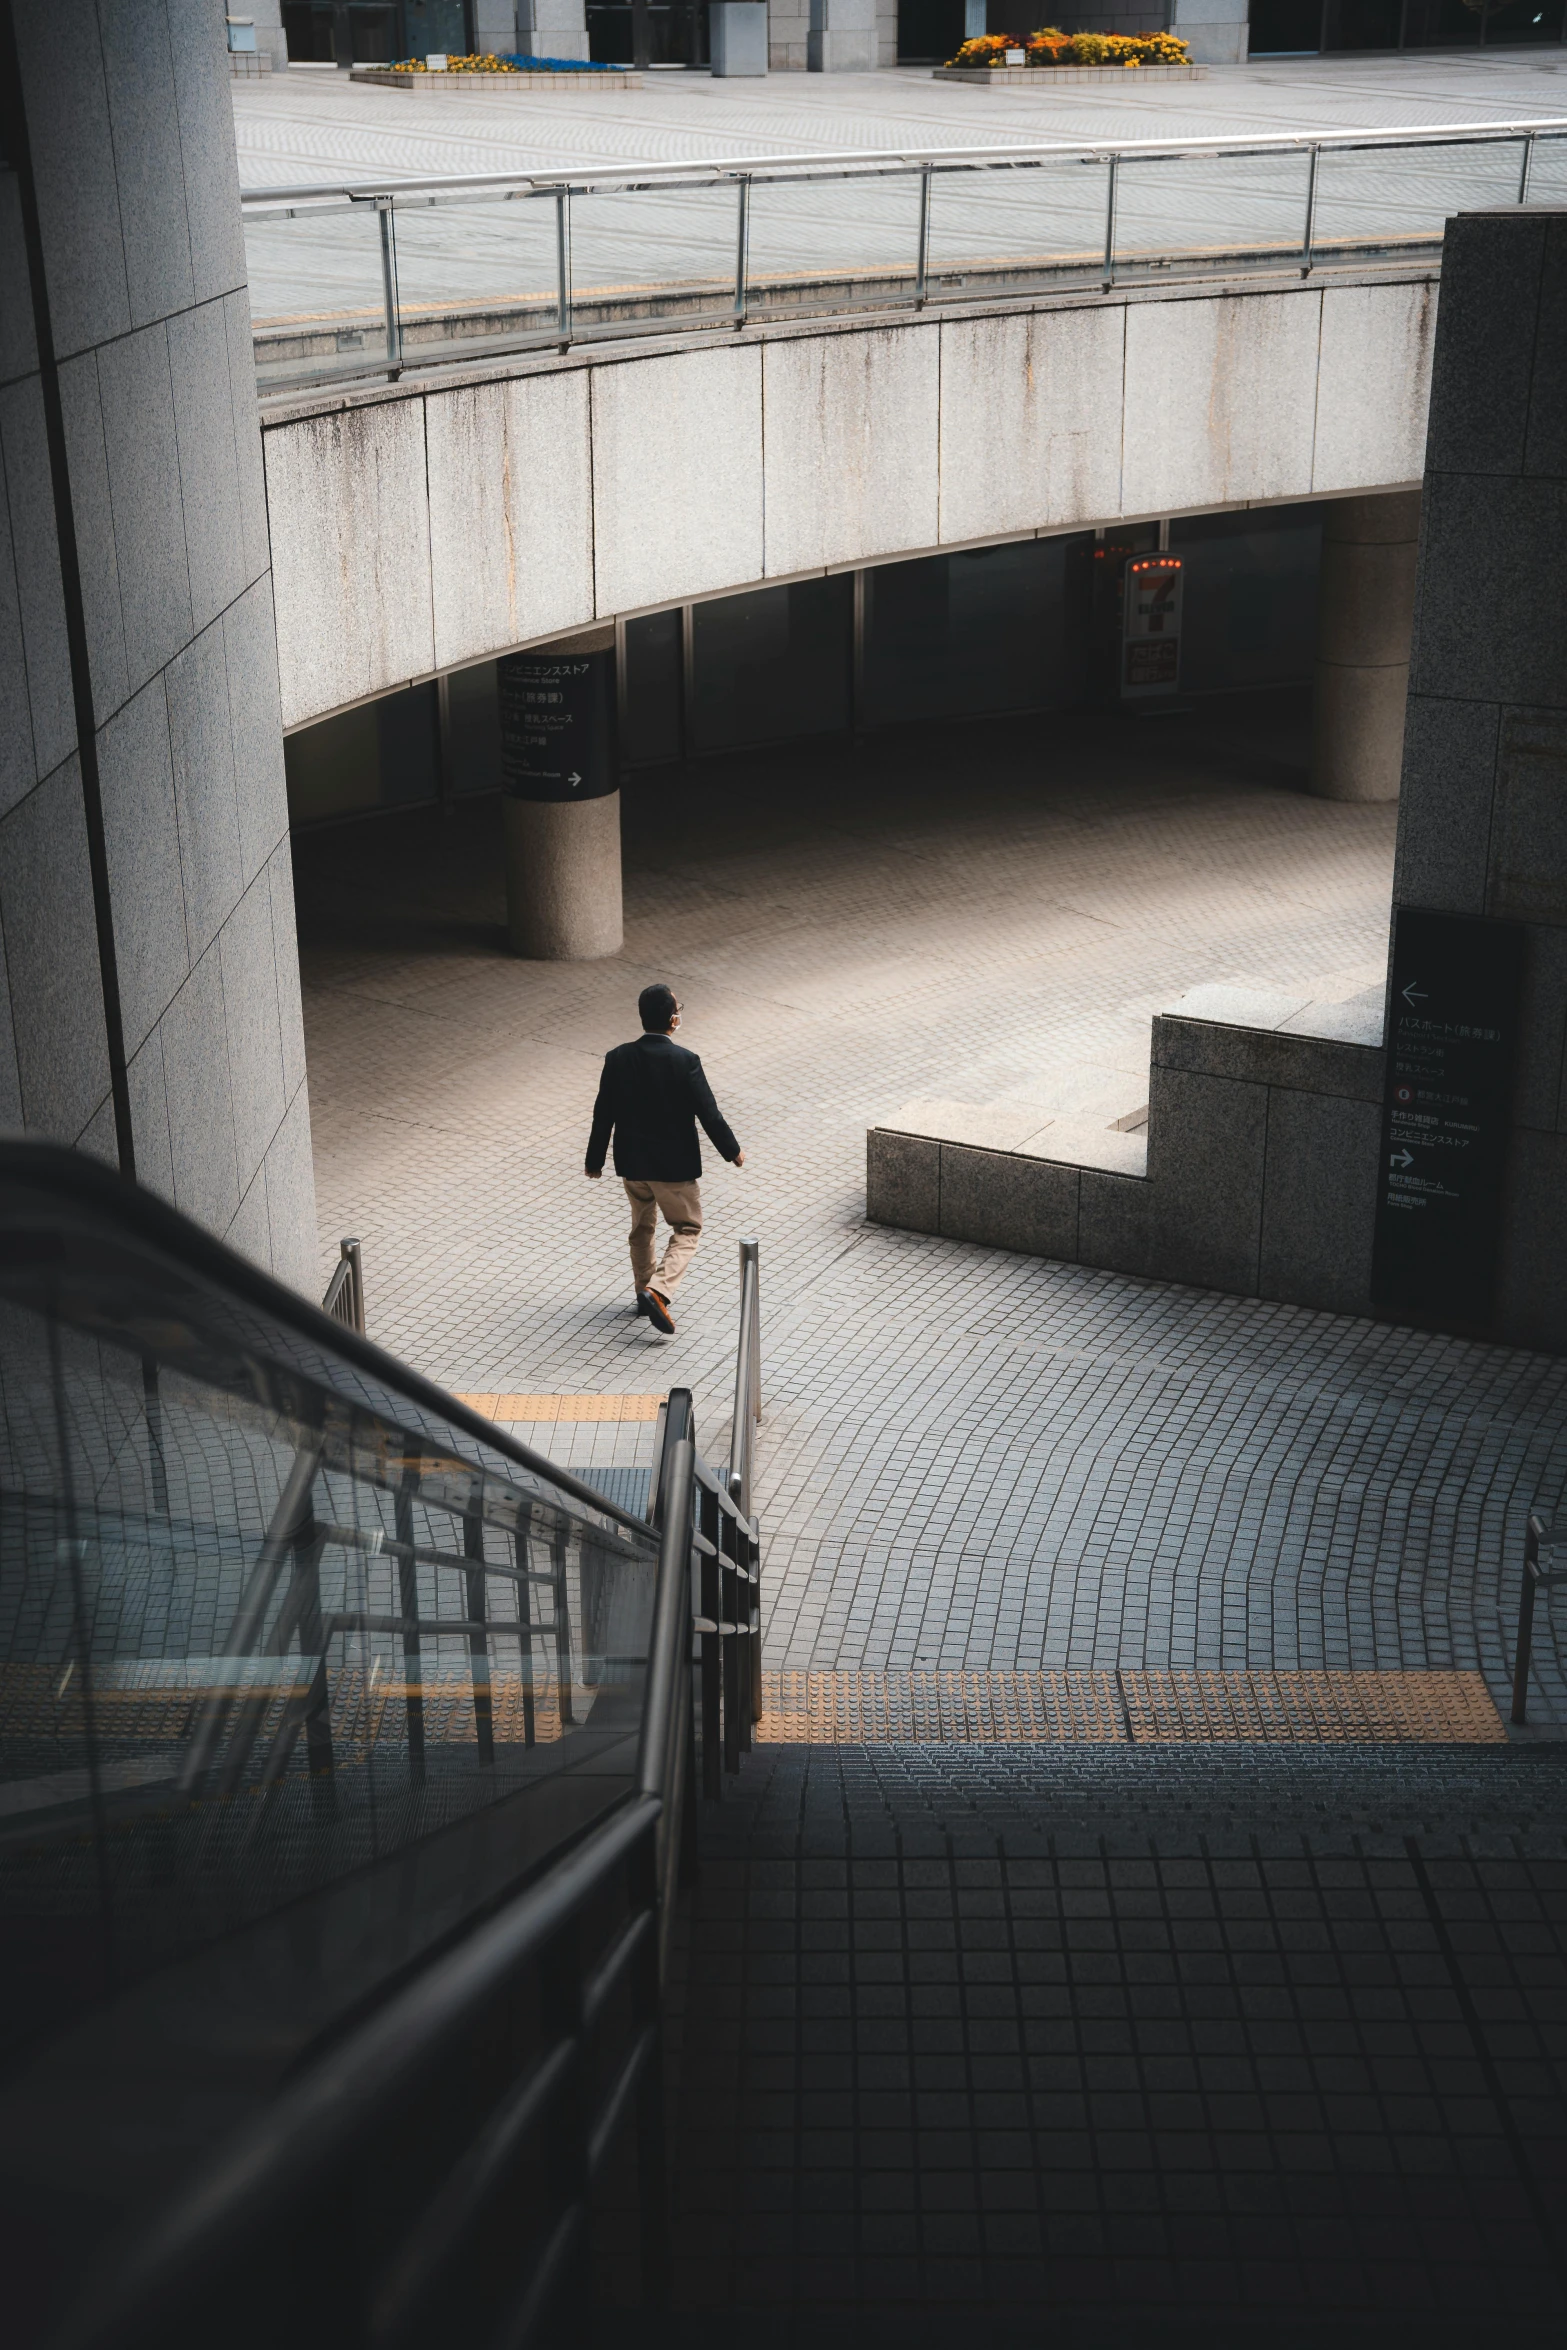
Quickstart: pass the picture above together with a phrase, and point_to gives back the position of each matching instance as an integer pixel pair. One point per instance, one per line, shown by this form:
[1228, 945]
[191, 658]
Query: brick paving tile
[971, 1461]
[1098, 2036]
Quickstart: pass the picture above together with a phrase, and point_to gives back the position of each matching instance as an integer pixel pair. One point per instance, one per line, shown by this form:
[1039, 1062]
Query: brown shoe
[657, 1310]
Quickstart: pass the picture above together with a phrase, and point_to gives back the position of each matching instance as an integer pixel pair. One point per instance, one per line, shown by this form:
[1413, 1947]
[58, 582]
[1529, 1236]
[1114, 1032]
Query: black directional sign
[1452, 1034]
[558, 726]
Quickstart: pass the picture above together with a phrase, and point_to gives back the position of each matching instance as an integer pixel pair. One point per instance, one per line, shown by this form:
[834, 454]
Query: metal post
[563, 265]
[710, 1583]
[1309, 237]
[1533, 1576]
[923, 254]
[356, 1281]
[742, 248]
[394, 337]
[523, 1554]
[479, 1639]
[1528, 167]
[1110, 196]
[408, 1603]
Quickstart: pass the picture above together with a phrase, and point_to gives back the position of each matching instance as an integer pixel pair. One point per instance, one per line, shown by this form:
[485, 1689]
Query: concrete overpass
[421, 526]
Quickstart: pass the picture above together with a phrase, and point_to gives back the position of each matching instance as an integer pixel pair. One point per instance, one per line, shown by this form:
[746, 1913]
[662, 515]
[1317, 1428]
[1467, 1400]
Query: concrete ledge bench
[1255, 1171]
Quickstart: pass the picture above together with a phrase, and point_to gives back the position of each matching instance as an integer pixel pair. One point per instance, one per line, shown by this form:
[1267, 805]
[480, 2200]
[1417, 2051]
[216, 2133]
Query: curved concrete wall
[420, 527]
[149, 978]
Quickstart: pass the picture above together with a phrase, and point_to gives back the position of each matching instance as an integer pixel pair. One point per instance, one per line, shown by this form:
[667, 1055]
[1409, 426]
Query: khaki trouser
[680, 1204]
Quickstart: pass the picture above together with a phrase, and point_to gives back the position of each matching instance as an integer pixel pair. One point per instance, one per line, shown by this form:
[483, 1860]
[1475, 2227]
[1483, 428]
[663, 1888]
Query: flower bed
[1052, 48]
[484, 63]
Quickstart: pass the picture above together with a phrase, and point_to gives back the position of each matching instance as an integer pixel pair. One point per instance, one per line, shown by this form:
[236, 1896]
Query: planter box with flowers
[1000, 61]
[429, 74]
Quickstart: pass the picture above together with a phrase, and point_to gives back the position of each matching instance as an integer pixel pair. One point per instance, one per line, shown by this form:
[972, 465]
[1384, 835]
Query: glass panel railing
[1369, 196]
[317, 286]
[1234, 205]
[435, 269]
[857, 237]
[991, 228]
[477, 270]
[664, 252]
[265, 1617]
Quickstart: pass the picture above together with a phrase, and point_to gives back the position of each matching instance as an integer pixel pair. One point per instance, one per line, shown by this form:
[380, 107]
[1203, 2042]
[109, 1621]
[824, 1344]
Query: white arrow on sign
[1414, 995]
[574, 779]
[1402, 1159]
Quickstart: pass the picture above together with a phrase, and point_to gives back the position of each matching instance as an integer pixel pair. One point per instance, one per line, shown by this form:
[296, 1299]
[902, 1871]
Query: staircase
[1092, 2043]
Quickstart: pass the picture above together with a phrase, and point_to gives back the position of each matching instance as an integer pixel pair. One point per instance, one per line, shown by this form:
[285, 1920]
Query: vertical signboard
[1452, 1033]
[1151, 627]
[558, 726]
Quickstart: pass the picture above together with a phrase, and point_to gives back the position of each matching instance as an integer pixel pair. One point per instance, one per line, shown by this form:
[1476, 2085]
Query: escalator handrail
[58, 1175]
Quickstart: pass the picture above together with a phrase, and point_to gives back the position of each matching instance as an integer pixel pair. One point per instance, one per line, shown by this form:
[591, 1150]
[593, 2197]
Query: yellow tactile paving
[837, 1709]
[564, 1407]
[849, 1709]
[1324, 1708]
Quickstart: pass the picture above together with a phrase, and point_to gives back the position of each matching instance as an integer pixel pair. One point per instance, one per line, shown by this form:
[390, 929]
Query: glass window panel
[672, 249]
[1208, 204]
[990, 630]
[1365, 196]
[803, 232]
[772, 664]
[994, 224]
[651, 733]
[1249, 609]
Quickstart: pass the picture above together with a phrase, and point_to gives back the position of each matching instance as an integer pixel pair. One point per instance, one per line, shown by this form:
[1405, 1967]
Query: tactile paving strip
[539, 1408]
[871, 1709]
[1326, 1708]
[854, 1709]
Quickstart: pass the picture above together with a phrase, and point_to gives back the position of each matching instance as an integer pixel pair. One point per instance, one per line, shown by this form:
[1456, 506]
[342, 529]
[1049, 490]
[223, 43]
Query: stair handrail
[747, 1414]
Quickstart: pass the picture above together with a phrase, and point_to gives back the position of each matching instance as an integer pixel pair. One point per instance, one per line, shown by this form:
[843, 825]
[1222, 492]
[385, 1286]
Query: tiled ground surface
[1111, 2047]
[969, 1460]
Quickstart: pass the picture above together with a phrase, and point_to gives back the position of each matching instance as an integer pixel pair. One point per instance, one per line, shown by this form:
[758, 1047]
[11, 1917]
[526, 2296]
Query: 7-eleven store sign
[1151, 626]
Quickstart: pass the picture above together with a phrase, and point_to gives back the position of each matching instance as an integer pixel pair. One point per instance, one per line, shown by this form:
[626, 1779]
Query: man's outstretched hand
[593, 1173]
[738, 1160]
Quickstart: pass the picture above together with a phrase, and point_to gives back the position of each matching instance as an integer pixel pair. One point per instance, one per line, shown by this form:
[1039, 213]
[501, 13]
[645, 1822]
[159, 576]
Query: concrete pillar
[1365, 608]
[1216, 32]
[537, 28]
[842, 37]
[149, 976]
[563, 879]
[561, 799]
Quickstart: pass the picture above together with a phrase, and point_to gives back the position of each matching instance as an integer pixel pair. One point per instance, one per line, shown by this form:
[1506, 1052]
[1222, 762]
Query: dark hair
[657, 1007]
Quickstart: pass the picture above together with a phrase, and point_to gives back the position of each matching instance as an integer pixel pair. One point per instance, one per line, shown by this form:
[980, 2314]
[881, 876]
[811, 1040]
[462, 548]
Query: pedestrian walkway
[970, 1461]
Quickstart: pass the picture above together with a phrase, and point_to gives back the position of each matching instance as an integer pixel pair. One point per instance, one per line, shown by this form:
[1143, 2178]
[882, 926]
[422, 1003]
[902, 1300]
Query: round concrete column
[1365, 608]
[563, 879]
[559, 779]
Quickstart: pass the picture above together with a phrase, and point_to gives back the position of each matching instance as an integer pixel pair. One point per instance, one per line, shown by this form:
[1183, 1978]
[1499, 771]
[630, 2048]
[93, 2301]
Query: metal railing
[345, 1293]
[1536, 1577]
[239, 1544]
[473, 266]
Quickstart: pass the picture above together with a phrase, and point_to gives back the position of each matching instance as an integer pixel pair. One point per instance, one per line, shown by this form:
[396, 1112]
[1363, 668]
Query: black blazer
[652, 1093]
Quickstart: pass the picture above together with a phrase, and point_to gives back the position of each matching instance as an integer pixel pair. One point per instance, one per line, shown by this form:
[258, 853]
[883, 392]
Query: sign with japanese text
[1452, 1033]
[1151, 626]
[557, 726]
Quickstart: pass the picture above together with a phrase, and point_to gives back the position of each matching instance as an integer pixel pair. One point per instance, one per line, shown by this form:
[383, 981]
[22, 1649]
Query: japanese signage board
[558, 726]
[1452, 1033]
[1151, 627]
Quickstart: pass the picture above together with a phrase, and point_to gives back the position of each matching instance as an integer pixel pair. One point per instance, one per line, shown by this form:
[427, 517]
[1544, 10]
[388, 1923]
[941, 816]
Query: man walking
[651, 1095]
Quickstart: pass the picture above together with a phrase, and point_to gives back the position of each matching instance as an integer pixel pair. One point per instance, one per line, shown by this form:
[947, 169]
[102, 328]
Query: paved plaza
[970, 1459]
[307, 128]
